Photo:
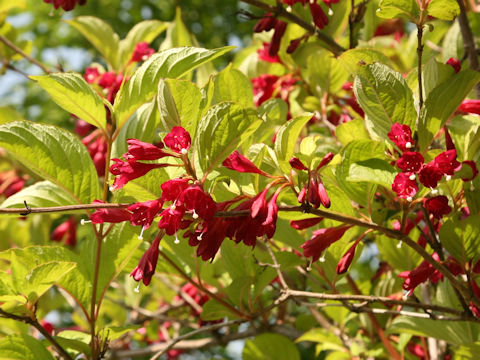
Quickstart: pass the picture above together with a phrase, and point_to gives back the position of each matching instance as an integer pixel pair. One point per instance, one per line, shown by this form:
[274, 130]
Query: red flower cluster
[108, 81]
[66, 230]
[148, 263]
[321, 240]
[66, 5]
[268, 86]
[142, 52]
[425, 271]
[96, 146]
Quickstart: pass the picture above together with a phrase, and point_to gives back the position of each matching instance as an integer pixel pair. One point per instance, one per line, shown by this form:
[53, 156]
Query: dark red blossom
[109, 215]
[66, 230]
[140, 150]
[296, 163]
[420, 274]
[410, 161]
[446, 162]
[401, 135]
[66, 5]
[473, 167]
[292, 2]
[325, 160]
[143, 213]
[321, 240]
[317, 194]
[91, 75]
[437, 206]
[305, 223]
[429, 175]
[293, 45]
[148, 263]
[455, 64]
[240, 163]
[194, 198]
[266, 23]
[171, 219]
[278, 32]
[264, 54]
[347, 259]
[142, 52]
[172, 189]
[130, 170]
[178, 140]
[320, 19]
[404, 186]
[10, 183]
[470, 107]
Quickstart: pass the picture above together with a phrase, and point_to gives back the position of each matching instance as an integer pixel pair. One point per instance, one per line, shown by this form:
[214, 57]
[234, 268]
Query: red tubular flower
[305, 223]
[111, 82]
[130, 170]
[330, 2]
[429, 176]
[325, 160]
[302, 195]
[401, 135]
[317, 194]
[196, 199]
[321, 240]
[171, 219]
[473, 168]
[178, 140]
[420, 274]
[140, 150]
[240, 163]
[172, 189]
[446, 162]
[10, 183]
[110, 215]
[266, 23]
[263, 88]
[347, 259]
[67, 230]
[292, 2]
[410, 161]
[448, 139]
[470, 107]
[270, 223]
[143, 213]
[66, 5]
[142, 52]
[294, 45]
[297, 164]
[263, 54]
[278, 33]
[437, 206]
[259, 209]
[97, 148]
[404, 187]
[455, 64]
[148, 263]
[320, 19]
[91, 75]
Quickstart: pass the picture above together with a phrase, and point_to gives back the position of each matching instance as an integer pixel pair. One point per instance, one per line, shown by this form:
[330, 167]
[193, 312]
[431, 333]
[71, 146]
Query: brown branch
[52, 209]
[279, 10]
[15, 48]
[419, 65]
[468, 42]
[40, 328]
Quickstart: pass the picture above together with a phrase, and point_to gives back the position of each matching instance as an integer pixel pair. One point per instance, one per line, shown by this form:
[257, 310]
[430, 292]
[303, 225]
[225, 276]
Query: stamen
[199, 237]
[309, 267]
[140, 237]
[330, 12]
[408, 145]
[137, 288]
[195, 215]
[448, 177]
[412, 177]
[183, 151]
[409, 199]
[83, 221]
[322, 259]
[434, 191]
[399, 245]
[144, 57]
[177, 241]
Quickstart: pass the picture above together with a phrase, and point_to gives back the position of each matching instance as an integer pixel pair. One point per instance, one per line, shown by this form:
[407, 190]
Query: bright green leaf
[354, 59]
[389, 9]
[462, 238]
[213, 310]
[73, 94]
[23, 347]
[270, 347]
[443, 9]
[372, 170]
[53, 154]
[231, 85]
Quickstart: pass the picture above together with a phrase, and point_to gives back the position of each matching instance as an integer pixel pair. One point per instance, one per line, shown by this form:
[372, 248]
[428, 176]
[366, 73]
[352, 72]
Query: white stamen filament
[195, 215]
[137, 288]
[412, 177]
[140, 237]
[183, 151]
[177, 241]
[448, 177]
[322, 259]
[144, 57]
[199, 237]
[83, 221]
[330, 12]
[399, 245]
[288, 8]
[434, 191]
[408, 145]
[173, 207]
[309, 267]
[409, 199]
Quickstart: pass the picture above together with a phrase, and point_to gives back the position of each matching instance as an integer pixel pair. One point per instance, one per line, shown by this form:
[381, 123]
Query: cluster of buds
[142, 52]
[66, 5]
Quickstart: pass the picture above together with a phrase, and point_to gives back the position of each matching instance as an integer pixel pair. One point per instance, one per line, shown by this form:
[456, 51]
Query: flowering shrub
[309, 198]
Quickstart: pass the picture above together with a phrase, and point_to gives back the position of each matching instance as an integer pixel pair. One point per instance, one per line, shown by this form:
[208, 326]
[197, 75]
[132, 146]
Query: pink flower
[97, 148]
[263, 54]
[143, 213]
[297, 164]
[67, 230]
[240, 163]
[172, 189]
[263, 88]
[110, 215]
[66, 5]
[446, 162]
[148, 263]
[171, 219]
[130, 170]
[347, 259]
[410, 161]
[470, 106]
[429, 175]
[437, 206]
[321, 240]
[140, 150]
[305, 223]
[455, 64]
[196, 199]
[178, 140]
[317, 194]
[320, 19]
[420, 274]
[91, 75]
[142, 52]
[279, 31]
[404, 187]
[401, 135]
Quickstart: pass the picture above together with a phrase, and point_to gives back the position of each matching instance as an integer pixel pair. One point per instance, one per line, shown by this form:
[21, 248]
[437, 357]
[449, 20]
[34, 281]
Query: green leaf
[213, 310]
[443, 9]
[372, 170]
[171, 63]
[231, 85]
[435, 73]
[462, 238]
[41, 194]
[385, 97]
[456, 333]
[73, 94]
[100, 35]
[8, 114]
[146, 31]
[286, 140]
[177, 33]
[442, 103]
[76, 340]
[55, 155]
[179, 103]
[270, 347]
[326, 72]
[23, 347]
[389, 9]
[350, 131]
[221, 130]
[6, 5]
[42, 278]
[354, 59]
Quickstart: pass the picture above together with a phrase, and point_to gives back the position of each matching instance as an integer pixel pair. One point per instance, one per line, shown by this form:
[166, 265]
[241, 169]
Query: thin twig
[15, 48]
[52, 209]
